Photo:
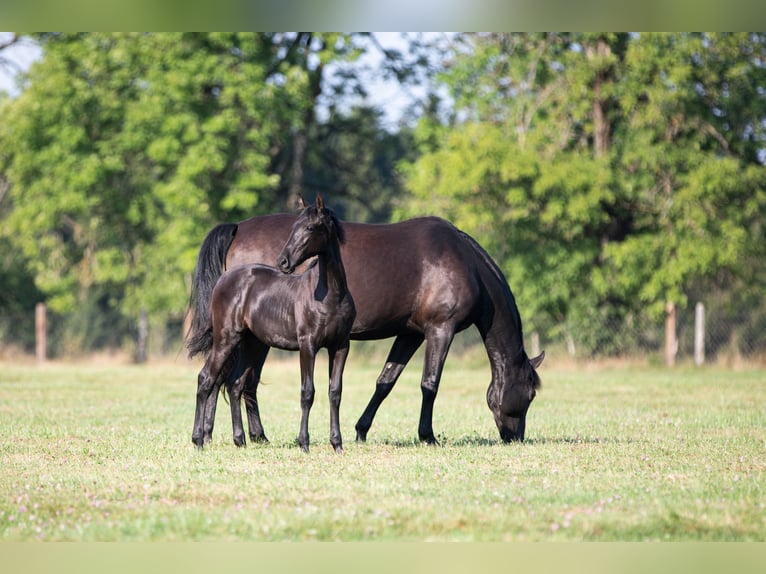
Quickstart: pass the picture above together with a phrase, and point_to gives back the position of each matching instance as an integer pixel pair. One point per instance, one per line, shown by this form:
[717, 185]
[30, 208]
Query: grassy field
[103, 453]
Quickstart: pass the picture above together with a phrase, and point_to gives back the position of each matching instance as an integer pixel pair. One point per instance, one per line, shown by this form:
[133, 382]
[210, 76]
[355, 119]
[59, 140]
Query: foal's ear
[319, 203]
[301, 203]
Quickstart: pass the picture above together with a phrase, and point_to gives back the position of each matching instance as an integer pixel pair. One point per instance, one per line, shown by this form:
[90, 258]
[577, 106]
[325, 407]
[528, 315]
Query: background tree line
[606, 173]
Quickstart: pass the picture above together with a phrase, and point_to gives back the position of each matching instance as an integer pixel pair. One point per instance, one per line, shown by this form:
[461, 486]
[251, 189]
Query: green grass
[103, 453]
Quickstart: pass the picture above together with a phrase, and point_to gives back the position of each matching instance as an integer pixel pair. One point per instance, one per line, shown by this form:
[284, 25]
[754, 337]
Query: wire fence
[706, 332]
[714, 331]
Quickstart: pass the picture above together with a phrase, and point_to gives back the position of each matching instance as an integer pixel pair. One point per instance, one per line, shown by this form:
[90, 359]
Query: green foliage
[608, 173]
[122, 148]
[352, 163]
[125, 149]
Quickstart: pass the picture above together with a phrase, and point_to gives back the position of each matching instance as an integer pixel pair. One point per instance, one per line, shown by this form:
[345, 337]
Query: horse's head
[509, 399]
[316, 229]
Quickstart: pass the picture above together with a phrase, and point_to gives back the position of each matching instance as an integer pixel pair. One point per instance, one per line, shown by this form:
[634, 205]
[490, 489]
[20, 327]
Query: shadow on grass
[482, 441]
[459, 442]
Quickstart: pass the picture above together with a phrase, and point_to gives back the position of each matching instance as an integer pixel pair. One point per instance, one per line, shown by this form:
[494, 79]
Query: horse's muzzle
[284, 264]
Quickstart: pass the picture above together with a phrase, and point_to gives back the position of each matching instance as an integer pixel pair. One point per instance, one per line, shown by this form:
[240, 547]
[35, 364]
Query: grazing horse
[257, 307]
[417, 280]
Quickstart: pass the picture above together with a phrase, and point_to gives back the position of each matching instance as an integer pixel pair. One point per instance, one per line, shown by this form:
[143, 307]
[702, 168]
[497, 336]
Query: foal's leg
[401, 352]
[258, 355]
[337, 363]
[204, 385]
[307, 358]
[208, 381]
[212, 401]
[251, 354]
[209, 413]
[236, 383]
[207, 384]
[438, 342]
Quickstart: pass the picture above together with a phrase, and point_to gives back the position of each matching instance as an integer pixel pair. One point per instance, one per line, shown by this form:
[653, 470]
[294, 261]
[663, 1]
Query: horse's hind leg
[401, 352]
[208, 381]
[257, 355]
[207, 384]
[204, 386]
[209, 413]
[235, 384]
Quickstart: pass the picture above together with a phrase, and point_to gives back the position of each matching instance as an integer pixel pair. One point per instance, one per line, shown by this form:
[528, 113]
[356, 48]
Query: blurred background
[616, 178]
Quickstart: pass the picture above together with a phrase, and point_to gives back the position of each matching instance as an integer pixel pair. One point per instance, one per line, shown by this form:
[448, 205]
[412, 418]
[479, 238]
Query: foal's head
[316, 230]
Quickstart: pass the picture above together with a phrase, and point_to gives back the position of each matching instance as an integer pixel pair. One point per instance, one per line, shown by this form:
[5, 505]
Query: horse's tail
[210, 266]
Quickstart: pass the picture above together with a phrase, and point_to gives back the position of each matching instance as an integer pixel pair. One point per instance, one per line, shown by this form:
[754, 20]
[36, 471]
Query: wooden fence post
[671, 343]
[535, 343]
[143, 335]
[699, 334]
[41, 332]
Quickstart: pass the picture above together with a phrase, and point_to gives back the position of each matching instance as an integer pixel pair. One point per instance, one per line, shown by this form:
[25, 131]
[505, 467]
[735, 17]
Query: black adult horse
[257, 307]
[421, 279]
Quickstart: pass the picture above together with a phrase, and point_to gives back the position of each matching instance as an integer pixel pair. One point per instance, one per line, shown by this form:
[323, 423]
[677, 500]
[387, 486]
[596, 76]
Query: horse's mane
[498, 275]
[339, 229]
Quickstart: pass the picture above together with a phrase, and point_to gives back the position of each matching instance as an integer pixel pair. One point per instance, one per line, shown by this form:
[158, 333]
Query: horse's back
[259, 239]
[403, 276]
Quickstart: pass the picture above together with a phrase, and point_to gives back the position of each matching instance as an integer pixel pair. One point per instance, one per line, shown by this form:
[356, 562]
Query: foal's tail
[210, 266]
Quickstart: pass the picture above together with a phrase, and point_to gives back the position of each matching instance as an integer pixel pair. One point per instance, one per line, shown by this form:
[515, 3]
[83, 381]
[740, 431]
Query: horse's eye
[311, 227]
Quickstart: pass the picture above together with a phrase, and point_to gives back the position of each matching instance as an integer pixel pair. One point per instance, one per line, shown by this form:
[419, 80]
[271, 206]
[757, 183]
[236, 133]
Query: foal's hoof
[259, 439]
[430, 440]
[361, 436]
[338, 449]
[240, 441]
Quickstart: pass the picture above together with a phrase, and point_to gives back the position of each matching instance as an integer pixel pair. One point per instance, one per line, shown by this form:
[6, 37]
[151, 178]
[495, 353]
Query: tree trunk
[601, 127]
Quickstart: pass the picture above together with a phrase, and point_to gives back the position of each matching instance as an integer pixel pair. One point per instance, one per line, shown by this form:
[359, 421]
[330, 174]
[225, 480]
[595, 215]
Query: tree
[352, 161]
[608, 173]
[125, 149]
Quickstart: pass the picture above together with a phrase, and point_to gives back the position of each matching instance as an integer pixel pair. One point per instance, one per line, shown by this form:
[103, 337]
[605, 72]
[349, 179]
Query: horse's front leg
[337, 363]
[308, 358]
[438, 342]
[401, 352]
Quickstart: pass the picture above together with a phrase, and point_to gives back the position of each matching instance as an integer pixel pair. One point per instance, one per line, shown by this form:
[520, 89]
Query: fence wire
[728, 334]
[731, 331]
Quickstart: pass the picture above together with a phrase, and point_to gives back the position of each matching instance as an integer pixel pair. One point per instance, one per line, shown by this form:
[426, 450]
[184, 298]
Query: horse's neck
[502, 332]
[332, 274]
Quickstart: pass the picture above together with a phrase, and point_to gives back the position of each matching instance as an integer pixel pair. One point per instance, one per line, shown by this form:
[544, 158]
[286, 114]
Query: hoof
[430, 440]
[259, 439]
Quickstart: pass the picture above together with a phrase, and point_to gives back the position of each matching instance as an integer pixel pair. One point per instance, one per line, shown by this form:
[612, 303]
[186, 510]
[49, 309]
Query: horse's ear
[319, 203]
[301, 203]
[537, 361]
